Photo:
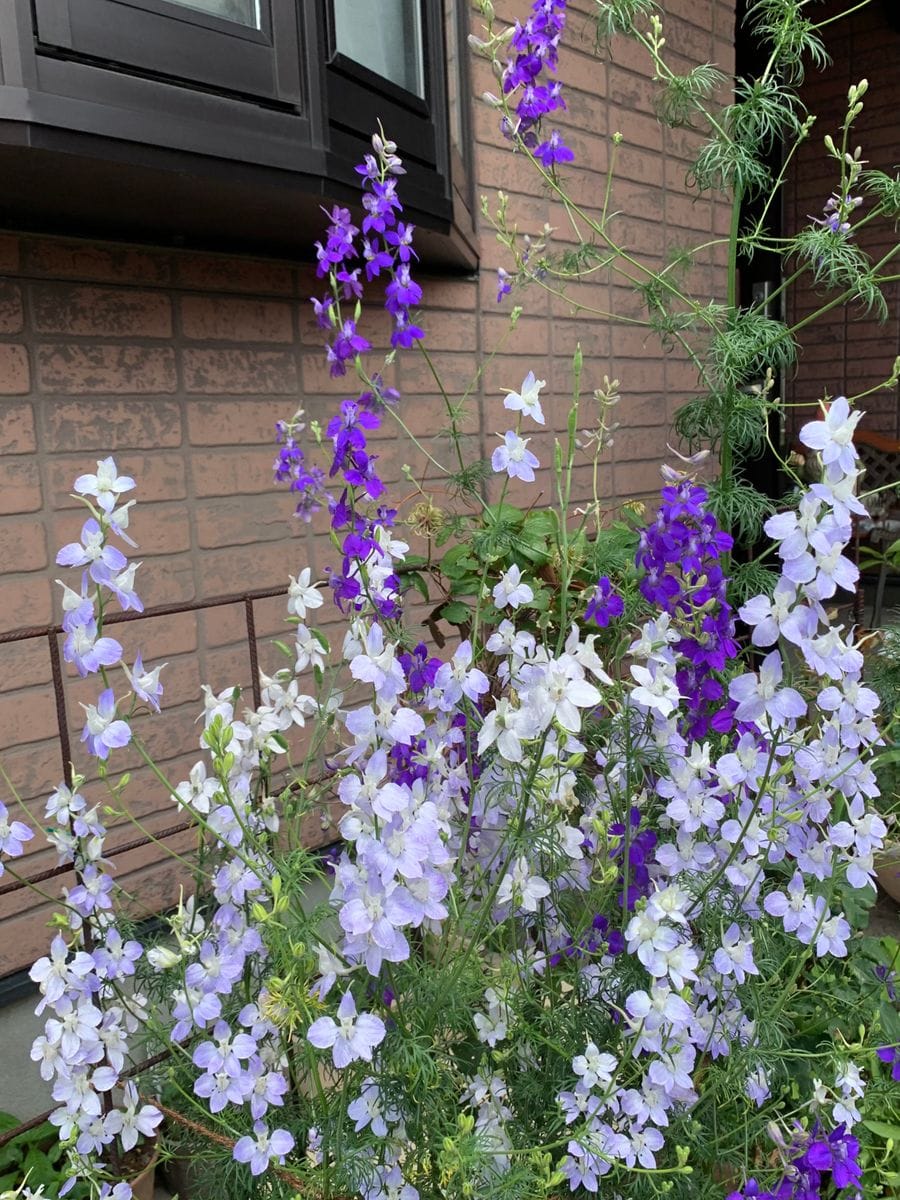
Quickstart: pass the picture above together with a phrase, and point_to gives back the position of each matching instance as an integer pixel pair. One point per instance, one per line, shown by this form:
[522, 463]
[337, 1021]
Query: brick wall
[846, 352]
[179, 364]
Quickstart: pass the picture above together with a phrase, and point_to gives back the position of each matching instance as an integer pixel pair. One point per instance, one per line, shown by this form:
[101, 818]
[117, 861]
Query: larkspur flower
[102, 730]
[105, 486]
[302, 594]
[515, 458]
[145, 684]
[510, 591]
[259, 1151]
[349, 1038]
[604, 605]
[527, 400]
[13, 835]
[93, 551]
[832, 437]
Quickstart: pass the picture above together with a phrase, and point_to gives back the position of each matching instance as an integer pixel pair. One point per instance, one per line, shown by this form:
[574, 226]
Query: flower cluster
[384, 246]
[681, 556]
[817, 1162]
[547, 870]
[306, 482]
[535, 44]
[84, 982]
[838, 209]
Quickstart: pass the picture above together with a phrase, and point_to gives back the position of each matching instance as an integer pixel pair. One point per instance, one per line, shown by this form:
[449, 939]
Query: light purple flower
[216, 970]
[102, 732]
[101, 560]
[13, 835]
[260, 1151]
[833, 437]
[146, 684]
[92, 892]
[760, 696]
[57, 973]
[515, 458]
[78, 607]
[122, 587]
[350, 1037]
[527, 400]
[511, 591]
[779, 616]
[88, 652]
[138, 1120]
[735, 955]
[459, 678]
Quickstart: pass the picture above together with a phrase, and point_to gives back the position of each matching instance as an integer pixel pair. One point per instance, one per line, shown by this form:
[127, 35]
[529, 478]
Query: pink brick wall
[179, 364]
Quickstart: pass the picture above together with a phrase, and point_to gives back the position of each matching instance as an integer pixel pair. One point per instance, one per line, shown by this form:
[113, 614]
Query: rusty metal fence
[51, 634]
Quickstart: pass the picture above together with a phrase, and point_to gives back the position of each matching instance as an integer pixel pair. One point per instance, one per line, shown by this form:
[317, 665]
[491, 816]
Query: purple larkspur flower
[87, 651]
[605, 604]
[832, 437]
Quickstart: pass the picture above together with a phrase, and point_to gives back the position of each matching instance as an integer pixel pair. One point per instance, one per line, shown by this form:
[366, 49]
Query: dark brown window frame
[206, 153]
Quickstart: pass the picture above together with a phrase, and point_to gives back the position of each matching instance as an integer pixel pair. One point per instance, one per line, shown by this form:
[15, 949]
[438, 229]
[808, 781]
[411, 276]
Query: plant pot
[887, 870]
[143, 1185]
[183, 1177]
[138, 1167]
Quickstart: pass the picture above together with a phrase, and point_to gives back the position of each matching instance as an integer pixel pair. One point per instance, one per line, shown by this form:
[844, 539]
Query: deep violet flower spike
[536, 44]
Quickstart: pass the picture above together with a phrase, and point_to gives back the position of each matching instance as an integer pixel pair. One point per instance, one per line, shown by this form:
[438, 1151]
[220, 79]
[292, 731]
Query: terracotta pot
[887, 870]
[143, 1185]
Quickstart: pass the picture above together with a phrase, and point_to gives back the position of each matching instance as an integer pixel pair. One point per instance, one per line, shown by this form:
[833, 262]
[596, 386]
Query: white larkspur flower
[106, 486]
[527, 399]
[302, 594]
[510, 591]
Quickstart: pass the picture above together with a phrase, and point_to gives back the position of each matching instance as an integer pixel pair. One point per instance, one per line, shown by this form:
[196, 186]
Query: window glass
[385, 36]
[243, 12]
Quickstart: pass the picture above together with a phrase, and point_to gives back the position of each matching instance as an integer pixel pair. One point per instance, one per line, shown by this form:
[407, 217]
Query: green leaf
[456, 612]
[506, 514]
[7, 1121]
[541, 522]
[38, 1168]
[468, 585]
[458, 561]
[416, 580]
[321, 639]
[890, 1022]
[885, 1131]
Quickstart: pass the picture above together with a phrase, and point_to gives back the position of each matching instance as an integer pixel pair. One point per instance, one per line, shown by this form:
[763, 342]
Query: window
[245, 47]
[386, 38]
[223, 122]
[244, 12]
